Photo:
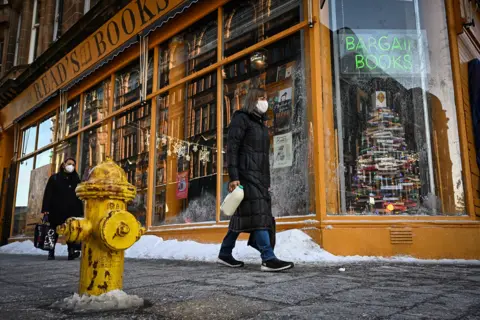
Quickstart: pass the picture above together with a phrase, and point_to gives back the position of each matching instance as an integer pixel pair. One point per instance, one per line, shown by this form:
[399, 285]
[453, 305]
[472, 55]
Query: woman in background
[248, 149]
[60, 201]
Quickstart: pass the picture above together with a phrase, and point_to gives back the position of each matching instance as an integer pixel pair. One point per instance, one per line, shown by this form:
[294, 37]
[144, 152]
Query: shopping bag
[44, 236]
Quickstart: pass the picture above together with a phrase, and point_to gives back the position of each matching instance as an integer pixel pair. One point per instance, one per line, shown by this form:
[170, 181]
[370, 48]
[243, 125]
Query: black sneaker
[230, 261]
[51, 255]
[276, 265]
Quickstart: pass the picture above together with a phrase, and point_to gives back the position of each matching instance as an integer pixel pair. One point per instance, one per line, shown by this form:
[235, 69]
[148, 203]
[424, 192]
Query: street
[29, 285]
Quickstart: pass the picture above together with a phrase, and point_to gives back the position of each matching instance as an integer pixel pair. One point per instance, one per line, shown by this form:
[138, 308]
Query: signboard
[389, 52]
[127, 23]
[282, 151]
[182, 185]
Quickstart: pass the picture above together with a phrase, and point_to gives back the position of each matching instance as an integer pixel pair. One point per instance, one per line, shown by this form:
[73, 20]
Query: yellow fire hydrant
[107, 229]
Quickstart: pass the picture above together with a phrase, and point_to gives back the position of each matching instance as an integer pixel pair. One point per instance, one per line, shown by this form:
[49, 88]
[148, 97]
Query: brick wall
[72, 12]
[46, 19]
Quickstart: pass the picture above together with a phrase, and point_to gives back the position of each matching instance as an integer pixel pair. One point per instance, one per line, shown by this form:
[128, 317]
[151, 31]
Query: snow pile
[26, 247]
[113, 300]
[292, 245]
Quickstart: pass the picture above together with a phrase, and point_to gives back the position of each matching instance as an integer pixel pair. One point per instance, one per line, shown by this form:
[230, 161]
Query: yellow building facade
[370, 119]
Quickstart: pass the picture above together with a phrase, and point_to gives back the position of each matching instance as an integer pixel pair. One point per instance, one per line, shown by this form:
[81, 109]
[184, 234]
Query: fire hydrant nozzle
[107, 230]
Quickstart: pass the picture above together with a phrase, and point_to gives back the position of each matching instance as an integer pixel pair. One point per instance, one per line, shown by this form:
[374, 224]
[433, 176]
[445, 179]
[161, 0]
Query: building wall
[73, 10]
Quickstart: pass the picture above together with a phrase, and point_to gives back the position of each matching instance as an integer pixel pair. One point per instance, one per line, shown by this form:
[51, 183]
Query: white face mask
[70, 168]
[262, 106]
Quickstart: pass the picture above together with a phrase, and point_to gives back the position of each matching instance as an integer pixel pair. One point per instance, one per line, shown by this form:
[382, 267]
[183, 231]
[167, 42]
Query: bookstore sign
[391, 52]
[127, 23]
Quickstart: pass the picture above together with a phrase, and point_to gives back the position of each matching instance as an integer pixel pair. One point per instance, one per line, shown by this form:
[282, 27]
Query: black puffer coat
[60, 199]
[248, 151]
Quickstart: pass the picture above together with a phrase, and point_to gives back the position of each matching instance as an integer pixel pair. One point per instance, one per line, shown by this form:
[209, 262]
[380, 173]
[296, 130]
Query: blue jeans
[261, 243]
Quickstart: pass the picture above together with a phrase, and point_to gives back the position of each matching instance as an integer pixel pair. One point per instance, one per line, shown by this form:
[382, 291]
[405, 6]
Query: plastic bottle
[232, 201]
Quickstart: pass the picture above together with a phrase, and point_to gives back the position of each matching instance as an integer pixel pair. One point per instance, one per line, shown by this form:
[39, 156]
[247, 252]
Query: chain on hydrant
[107, 229]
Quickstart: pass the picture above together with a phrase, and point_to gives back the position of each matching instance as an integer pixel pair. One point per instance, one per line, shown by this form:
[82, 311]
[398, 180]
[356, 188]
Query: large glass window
[94, 142]
[189, 52]
[46, 131]
[65, 150]
[29, 137]
[278, 69]
[130, 145]
[22, 197]
[96, 103]
[392, 138]
[249, 22]
[73, 114]
[128, 83]
[185, 178]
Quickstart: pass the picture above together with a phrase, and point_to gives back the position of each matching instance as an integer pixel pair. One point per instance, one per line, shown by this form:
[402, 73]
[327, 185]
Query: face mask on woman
[262, 106]
[69, 168]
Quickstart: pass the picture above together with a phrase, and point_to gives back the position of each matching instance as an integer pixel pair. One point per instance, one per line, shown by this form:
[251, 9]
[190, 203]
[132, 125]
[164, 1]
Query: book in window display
[387, 174]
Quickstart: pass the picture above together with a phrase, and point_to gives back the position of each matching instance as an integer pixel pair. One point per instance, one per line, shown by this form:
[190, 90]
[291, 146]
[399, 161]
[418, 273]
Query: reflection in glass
[73, 114]
[189, 52]
[93, 148]
[278, 69]
[45, 132]
[394, 124]
[64, 150]
[96, 103]
[185, 177]
[249, 22]
[21, 199]
[130, 145]
[127, 83]
[44, 158]
[28, 140]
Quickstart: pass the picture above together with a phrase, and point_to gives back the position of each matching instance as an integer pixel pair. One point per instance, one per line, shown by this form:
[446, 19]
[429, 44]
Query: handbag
[44, 235]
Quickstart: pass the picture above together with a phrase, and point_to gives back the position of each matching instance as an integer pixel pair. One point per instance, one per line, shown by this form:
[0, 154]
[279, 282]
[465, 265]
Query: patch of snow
[329, 227]
[341, 269]
[292, 245]
[113, 300]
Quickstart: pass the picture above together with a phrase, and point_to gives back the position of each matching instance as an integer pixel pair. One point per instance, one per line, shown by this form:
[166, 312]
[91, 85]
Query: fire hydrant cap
[120, 230]
[107, 180]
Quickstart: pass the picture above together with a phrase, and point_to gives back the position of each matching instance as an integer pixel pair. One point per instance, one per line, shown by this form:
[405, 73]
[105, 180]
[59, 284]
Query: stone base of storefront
[425, 240]
[419, 239]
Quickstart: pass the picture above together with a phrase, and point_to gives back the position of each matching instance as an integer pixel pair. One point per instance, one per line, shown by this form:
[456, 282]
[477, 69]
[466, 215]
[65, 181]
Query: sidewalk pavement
[193, 290]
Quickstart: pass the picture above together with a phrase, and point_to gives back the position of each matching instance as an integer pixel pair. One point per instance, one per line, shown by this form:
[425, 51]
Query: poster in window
[282, 151]
[283, 111]
[182, 185]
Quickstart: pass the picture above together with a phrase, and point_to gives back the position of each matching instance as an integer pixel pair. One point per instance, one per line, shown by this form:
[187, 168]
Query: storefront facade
[370, 122]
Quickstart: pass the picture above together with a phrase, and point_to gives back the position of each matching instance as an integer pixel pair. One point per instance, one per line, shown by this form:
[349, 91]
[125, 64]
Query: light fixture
[258, 60]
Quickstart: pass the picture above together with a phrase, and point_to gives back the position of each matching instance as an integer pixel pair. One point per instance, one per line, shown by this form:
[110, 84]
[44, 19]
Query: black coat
[60, 200]
[248, 149]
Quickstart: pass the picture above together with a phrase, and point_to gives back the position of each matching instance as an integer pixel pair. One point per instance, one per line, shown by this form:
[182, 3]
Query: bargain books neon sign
[392, 52]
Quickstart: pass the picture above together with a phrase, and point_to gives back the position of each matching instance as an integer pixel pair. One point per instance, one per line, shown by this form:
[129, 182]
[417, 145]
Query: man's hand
[232, 185]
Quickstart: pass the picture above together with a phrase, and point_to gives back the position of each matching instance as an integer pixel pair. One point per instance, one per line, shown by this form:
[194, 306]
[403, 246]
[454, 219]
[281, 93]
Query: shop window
[249, 22]
[46, 131]
[64, 150]
[96, 103]
[189, 52]
[186, 144]
[279, 70]
[93, 146]
[44, 159]
[29, 138]
[391, 135]
[73, 114]
[22, 197]
[128, 83]
[130, 146]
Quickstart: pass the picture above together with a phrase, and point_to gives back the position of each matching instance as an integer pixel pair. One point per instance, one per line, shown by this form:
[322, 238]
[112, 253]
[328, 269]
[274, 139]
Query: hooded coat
[60, 199]
[248, 150]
